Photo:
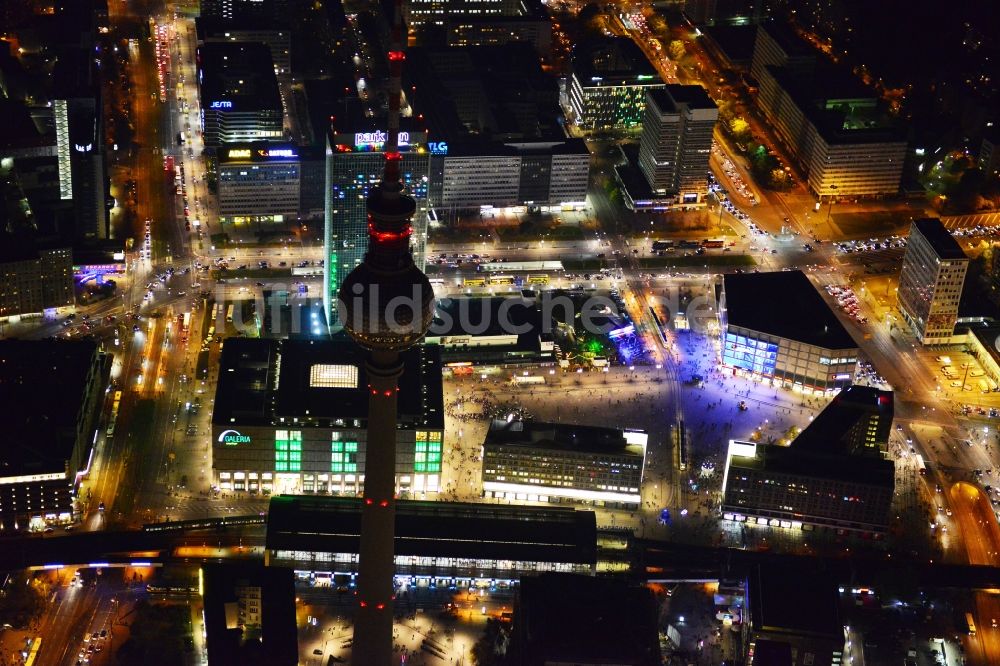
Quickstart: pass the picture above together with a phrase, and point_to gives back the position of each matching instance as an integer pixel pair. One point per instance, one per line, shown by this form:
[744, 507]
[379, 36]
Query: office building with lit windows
[275, 37]
[239, 93]
[548, 462]
[419, 12]
[290, 416]
[52, 392]
[838, 131]
[607, 85]
[676, 141]
[801, 488]
[931, 281]
[777, 327]
[259, 183]
[354, 164]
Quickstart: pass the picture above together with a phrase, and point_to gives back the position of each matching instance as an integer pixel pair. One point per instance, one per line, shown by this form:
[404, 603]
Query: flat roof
[567, 618]
[42, 386]
[563, 437]
[262, 380]
[613, 61]
[818, 464]
[735, 41]
[672, 96]
[939, 237]
[800, 602]
[240, 73]
[828, 431]
[459, 315]
[790, 43]
[326, 523]
[989, 338]
[785, 304]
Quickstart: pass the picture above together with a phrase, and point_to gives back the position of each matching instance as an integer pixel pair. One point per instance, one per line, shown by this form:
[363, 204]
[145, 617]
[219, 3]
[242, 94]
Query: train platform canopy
[331, 524]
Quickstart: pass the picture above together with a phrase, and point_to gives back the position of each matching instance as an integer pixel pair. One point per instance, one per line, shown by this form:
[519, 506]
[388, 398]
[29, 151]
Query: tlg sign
[233, 438]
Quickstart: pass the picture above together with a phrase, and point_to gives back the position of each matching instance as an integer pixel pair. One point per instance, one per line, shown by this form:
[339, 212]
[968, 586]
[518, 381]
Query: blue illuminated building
[240, 93]
[777, 326]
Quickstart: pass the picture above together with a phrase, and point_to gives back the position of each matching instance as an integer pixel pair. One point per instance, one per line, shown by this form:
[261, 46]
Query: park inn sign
[233, 438]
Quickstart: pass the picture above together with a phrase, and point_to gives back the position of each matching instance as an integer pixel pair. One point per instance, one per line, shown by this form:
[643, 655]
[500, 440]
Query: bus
[689, 244]
[229, 314]
[474, 282]
[713, 242]
[921, 465]
[662, 245]
[538, 279]
[529, 379]
[36, 645]
[971, 624]
[502, 279]
[186, 326]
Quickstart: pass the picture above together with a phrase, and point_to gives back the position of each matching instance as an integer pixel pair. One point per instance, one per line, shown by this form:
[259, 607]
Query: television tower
[386, 275]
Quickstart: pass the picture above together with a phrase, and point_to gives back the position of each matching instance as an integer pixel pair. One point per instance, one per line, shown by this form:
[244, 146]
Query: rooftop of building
[565, 437]
[735, 41]
[257, 151]
[939, 237]
[480, 316]
[842, 109]
[481, 147]
[834, 465]
[324, 523]
[18, 129]
[793, 45]
[227, 641]
[567, 618]
[613, 61]
[794, 601]
[989, 338]
[828, 431]
[673, 96]
[785, 304]
[42, 385]
[262, 381]
[240, 73]
[207, 27]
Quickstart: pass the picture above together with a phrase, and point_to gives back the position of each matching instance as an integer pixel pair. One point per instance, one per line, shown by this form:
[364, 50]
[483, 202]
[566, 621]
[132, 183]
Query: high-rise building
[354, 163]
[607, 86]
[259, 183]
[989, 154]
[931, 281]
[838, 131]
[777, 45]
[857, 420]
[239, 93]
[238, 10]
[419, 12]
[276, 37]
[76, 107]
[677, 141]
[52, 391]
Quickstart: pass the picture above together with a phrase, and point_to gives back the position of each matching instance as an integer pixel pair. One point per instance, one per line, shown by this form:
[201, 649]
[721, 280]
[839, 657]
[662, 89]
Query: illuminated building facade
[354, 163]
[546, 462]
[419, 12]
[291, 417]
[34, 279]
[53, 391]
[443, 543]
[276, 38]
[931, 281]
[239, 93]
[607, 85]
[794, 488]
[795, 340]
[677, 140]
[259, 183]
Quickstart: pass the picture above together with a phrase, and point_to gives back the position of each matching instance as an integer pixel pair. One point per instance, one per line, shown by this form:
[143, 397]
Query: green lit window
[287, 451]
[343, 456]
[427, 452]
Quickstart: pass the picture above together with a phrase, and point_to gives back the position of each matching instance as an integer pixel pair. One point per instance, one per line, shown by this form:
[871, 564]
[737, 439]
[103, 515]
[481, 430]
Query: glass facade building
[794, 339]
[353, 168]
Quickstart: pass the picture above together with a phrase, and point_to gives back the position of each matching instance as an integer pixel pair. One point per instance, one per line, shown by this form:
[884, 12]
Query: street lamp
[829, 208]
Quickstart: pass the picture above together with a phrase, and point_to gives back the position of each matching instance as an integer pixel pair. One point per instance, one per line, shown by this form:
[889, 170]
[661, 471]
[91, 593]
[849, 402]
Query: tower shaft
[376, 590]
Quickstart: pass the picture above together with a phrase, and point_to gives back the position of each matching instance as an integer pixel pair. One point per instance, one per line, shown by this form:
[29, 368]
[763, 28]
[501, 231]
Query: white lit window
[333, 376]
